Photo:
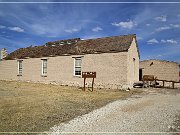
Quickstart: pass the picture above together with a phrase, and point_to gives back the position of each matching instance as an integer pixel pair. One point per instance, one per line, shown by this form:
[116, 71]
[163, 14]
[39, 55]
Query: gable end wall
[133, 64]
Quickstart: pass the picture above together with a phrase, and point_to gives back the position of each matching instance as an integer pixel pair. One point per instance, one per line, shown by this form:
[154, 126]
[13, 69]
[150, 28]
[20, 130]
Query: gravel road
[152, 111]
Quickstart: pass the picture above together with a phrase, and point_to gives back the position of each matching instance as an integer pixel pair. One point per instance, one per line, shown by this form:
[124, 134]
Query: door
[140, 74]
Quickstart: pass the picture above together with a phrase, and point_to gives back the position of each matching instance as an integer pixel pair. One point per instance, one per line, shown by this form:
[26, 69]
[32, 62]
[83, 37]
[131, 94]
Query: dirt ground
[154, 111]
[31, 107]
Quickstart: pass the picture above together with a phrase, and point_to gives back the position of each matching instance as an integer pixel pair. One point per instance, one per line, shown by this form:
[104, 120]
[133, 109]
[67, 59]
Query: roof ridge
[109, 37]
[160, 60]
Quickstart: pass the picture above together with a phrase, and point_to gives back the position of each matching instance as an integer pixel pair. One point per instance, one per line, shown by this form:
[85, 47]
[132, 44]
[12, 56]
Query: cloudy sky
[157, 25]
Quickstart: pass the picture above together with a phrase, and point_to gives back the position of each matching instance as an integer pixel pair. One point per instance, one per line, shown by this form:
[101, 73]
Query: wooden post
[163, 83]
[84, 83]
[173, 85]
[92, 83]
[143, 84]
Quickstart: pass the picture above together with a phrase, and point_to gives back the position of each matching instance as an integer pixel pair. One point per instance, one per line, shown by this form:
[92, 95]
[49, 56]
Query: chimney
[3, 53]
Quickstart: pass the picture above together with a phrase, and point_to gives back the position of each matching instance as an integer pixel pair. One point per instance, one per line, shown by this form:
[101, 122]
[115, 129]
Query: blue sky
[157, 26]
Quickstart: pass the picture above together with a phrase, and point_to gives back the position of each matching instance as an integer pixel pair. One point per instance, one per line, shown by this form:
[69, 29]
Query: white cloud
[2, 26]
[163, 41]
[163, 28]
[97, 29]
[128, 25]
[139, 38]
[178, 15]
[170, 41]
[92, 36]
[71, 30]
[175, 25]
[171, 26]
[167, 41]
[153, 41]
[162, 18]
[159, 55]
[44, 27]
[148, 24]
[17, 29]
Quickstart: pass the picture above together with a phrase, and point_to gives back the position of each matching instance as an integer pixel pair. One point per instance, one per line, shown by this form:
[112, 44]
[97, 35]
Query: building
[163, 70]
[114, 59]
[3, 53]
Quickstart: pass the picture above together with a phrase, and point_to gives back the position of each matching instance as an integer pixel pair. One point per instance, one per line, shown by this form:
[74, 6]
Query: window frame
[43, 73]
[20, 67]
[77, 58]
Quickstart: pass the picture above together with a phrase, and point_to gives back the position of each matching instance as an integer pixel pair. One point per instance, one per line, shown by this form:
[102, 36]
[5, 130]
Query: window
[19, 67]
[44, 66]
[77, 67]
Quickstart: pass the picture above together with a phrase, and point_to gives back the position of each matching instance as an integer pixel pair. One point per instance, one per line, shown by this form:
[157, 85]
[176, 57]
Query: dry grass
[28, 107]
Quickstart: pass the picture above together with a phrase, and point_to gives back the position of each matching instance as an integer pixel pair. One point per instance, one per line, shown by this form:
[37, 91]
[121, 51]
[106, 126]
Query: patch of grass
[32, 107]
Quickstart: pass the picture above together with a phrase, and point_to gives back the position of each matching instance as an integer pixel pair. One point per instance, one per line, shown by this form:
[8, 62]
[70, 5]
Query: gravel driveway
[152, 111]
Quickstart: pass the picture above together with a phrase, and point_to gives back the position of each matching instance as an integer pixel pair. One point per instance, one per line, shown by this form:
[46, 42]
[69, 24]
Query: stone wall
[133, 64]
[163, 70]
[111, 69]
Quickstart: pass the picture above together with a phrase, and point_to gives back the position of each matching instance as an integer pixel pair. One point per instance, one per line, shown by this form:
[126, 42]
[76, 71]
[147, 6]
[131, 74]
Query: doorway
[140, 74]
